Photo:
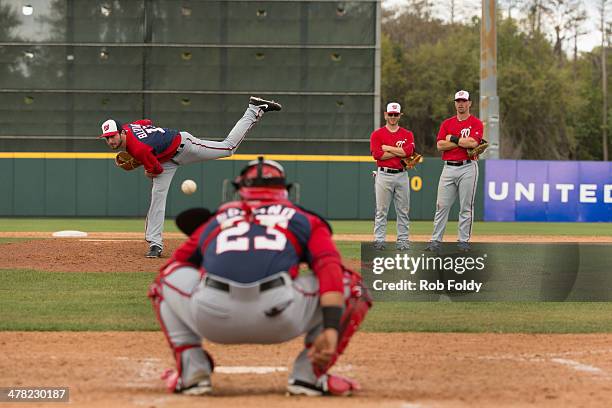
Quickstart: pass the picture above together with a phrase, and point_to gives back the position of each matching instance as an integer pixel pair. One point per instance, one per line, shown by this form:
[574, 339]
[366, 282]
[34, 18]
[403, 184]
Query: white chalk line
[412, 405]
[555, 358]
[249, 370]
[150, 368]
[110, 240]
[578, 366]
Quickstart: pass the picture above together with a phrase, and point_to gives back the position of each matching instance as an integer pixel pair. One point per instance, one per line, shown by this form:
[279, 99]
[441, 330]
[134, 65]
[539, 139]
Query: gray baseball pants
[192, 310]
[461, 181]
[194, 150]
[394, 187]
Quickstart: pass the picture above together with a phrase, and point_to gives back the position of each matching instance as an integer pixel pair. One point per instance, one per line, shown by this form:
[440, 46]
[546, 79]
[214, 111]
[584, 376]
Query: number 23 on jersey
[237, 237]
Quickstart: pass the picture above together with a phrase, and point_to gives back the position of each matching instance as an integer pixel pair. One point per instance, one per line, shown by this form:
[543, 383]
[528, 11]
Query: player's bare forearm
[332, 299]
[468, 142]
[386, 155]
[324, 345]
[396, 151]
[444, 145]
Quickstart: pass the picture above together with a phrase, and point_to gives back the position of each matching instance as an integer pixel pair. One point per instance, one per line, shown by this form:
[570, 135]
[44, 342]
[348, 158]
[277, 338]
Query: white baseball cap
[462, 95]
[110, 128]
[394, 107]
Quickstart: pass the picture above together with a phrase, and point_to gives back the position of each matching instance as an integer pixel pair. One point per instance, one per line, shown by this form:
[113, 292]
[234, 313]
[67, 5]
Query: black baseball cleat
[433, 246]
[464, 246]
[327, 384]
[379, 245]
[264, 105]
[154, 252]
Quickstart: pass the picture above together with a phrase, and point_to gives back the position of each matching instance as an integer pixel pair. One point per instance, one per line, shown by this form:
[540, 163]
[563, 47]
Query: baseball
[189, 187]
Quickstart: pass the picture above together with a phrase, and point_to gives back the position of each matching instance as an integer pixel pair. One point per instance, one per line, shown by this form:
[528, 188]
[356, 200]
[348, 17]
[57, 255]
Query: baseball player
[162, 150]
[388, 145]
[460, 174]
[237, 280]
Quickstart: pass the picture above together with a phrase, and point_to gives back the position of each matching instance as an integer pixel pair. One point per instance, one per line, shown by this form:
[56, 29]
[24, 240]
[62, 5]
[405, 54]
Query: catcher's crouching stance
[236, 280]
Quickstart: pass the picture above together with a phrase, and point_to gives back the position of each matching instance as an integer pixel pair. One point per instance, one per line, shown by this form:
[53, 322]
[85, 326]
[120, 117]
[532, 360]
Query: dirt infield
[98, 252]
[403, 370]
[121, 369]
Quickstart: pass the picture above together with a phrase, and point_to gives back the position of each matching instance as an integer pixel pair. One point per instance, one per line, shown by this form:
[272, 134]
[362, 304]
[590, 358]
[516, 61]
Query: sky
[473, 7]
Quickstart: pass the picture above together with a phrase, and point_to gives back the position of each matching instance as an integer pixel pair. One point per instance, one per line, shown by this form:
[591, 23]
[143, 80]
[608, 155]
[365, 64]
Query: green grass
[481, 227]
[340, 227]
[349, 249]
[33, 300]
[79, 224]
[492, 317]
[9, 240]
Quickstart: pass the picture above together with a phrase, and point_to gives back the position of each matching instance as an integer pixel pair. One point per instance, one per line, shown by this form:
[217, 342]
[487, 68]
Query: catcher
[162, 150]
[237, 280]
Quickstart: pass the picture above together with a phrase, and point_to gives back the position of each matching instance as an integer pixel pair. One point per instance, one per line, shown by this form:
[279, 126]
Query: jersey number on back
[233, 239]
[142, 132]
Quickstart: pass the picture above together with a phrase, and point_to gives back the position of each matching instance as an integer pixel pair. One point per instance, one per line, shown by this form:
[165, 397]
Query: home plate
[249, 370]
[69, 234]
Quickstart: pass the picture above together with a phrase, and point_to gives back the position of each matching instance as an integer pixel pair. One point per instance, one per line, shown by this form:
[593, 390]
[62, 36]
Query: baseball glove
[126, 161]
[478, 150]
[189, 220]
[411, 161]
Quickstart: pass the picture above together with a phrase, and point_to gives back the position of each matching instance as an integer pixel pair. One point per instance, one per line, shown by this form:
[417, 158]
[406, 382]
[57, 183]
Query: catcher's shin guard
[198, 385]
[356, 307]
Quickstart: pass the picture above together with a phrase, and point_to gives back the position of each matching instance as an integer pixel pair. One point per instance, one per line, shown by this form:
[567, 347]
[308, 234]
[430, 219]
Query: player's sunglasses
[393, 114]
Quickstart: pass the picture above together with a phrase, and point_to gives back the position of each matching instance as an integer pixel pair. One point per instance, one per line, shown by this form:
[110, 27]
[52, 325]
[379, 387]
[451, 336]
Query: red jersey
[470, 127]
[402, 138]
[247, 241]
[151, 145]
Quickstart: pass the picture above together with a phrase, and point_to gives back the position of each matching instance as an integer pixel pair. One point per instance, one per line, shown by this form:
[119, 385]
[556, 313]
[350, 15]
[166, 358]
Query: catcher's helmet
[262, 180]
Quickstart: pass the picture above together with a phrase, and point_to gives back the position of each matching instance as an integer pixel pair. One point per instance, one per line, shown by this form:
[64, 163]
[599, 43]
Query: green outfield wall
[89, 185]
[190, 65]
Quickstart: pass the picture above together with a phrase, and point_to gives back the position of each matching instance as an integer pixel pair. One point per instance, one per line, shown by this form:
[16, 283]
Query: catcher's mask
[262, 180]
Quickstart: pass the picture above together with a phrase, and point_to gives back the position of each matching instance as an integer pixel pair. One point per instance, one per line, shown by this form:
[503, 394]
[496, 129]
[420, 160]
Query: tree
[535, 9]
[566, 18]
[548, 110]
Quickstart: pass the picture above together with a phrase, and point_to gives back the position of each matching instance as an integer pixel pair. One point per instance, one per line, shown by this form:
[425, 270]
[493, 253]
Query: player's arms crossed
[444, 145]
[467, 142]
[386, 155]
[395, 151]
[376, 148]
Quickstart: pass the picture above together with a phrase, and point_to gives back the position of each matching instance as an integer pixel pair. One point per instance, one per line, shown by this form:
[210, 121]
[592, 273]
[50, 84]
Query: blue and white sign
[530, 190]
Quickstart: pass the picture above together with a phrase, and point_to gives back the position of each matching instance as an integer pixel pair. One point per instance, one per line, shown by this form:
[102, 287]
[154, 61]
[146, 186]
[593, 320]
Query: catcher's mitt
[126, 161]
[411, 161]
[478, 150]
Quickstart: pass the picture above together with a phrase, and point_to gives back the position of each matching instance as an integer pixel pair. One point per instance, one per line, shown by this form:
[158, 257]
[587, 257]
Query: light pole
[489, 101]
